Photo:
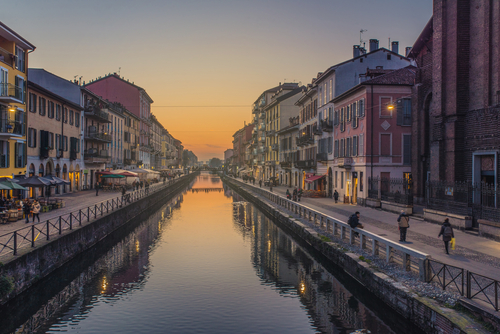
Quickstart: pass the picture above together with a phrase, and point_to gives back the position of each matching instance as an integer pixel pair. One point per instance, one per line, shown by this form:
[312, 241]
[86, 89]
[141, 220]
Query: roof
[284, 97]
[423, 38]
[47, 92]
[403, 77]
[11, 35]
[275, 89]
[334, 67]
[116, 76]
[288, 128]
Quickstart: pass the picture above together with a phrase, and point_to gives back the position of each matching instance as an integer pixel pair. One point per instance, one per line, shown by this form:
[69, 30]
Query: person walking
[447, 233]
[260, 183]
[124, 191]
[336, 196]
[404, 224]
[294, 195]
[299, 194]
[36, 210]
[27, 210]
[97, 186]
[288, 195]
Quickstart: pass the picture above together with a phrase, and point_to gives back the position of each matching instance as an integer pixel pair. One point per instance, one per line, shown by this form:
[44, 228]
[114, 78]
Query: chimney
[373, 44]
[355, 51]
[395, 47]
[407, 51]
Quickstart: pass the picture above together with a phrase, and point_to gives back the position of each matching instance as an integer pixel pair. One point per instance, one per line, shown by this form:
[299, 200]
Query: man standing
[403, 222]
[97, 186]
[336, 196]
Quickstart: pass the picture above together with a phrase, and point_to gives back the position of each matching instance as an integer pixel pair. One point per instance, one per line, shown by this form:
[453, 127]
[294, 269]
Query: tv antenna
[119, 70]
[360, 33]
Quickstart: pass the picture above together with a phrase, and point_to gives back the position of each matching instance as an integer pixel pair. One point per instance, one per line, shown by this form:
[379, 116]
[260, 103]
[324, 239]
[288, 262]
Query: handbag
[453, 243]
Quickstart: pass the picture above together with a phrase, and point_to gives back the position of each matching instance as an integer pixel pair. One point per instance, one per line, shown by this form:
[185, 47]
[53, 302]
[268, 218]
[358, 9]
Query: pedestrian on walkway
[299, 194]
[336, 196]
[27, 210]
[447, 233]
[404, 224]
[354, 222]
[270, 187]
[288, 195]
[260, 183]
[97, 186]
[124, 191]
[36, 210]
[294, 195]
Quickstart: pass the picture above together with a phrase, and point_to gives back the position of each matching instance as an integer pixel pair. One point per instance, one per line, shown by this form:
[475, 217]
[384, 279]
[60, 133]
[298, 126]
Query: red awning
[314, 178]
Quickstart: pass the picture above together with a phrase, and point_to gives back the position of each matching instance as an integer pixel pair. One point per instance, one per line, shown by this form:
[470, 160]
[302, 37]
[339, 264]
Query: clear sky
[205, 62]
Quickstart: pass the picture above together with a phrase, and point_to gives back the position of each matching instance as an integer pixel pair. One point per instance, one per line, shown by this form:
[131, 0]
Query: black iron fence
[467, 283]
[477, 200]
[393, 190]
[30, 236]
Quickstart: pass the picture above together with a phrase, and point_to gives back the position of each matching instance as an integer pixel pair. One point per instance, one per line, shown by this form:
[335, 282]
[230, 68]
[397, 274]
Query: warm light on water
[215, 264]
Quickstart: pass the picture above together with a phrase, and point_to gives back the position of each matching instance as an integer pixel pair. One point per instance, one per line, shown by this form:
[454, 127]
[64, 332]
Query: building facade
[14, 51]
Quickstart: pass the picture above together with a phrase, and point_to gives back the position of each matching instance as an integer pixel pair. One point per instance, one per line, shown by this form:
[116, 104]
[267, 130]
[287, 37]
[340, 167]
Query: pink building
[372, 133]
[133, 98]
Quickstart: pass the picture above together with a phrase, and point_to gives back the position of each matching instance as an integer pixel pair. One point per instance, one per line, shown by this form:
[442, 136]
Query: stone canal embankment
[94, 224]
[421, 311]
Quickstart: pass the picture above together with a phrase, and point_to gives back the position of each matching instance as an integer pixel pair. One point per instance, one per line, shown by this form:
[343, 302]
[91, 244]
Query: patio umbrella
[4, 187]
[128, 174]
[34, 181]
[113, 176]
[12, 185]
[8, 179]
[56, 179]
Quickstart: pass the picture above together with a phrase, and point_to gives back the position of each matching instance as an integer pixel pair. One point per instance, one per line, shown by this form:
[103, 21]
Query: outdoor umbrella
[112, 176]
[34, 181]
[56, 179]
[4, 187]
[128, 174]
[12, 185]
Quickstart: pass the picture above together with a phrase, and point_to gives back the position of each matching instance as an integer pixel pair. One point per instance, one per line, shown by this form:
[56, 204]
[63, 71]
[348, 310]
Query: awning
[314, 178]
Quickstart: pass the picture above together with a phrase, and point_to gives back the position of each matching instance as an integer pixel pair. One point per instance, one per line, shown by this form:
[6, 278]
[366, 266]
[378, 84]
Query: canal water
[205, 262]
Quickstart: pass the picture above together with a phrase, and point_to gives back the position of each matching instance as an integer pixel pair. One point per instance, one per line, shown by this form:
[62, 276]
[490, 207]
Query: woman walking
[447, 233]
[36, 210]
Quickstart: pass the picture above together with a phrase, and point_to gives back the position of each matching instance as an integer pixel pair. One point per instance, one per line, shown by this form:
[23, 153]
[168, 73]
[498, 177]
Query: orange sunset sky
[205, 62]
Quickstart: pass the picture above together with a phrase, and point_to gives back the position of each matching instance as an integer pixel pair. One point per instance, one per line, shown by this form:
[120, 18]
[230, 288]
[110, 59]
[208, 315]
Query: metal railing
[392, 252]
[395, 190]
[12, 91]
[31, 236]
[469, 284]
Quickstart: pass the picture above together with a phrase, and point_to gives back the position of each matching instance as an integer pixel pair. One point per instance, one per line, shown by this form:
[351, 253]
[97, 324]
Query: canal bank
[33, 264]
[423, 312]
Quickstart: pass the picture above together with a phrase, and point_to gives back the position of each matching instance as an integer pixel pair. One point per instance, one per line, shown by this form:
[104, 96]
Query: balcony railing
[6, 57]
[305, 163]
[12, 128]
[322, 156]
[344, 163]
[317, 131]
[97, 113]
[11, 93]
[98, 136]
[305, 140]
[95, 156]
[285, 164]
[326, 125]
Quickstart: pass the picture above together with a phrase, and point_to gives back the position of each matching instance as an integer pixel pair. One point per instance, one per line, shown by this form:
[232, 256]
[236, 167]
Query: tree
[215, 163]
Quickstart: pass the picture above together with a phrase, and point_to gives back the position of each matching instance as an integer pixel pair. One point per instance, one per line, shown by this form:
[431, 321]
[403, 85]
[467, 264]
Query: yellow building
[14, 52]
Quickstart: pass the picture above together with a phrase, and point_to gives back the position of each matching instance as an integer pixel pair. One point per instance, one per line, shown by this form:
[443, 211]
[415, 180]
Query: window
[50, 109]
[407, 149]
[341, 180]
[58, 144]
[361, 108]
[355, 146]
[41, 106]
[342, 147]
[58, 113]
[51, 140]
[388, 57]
[404, 112]
[336, 118]
[385, 144]
[336, 149]
[330, 145]
[360, 181]
[65, 143]
[19, 88]
[348, 147]
[331, 89]
[20, 157]
[20, 59]
[336, 179]
[348, 110]
[71, 117]
[77, 119]
[361, 144]
[32, 106]
[65, 115]
[31, 137]
[4, 154]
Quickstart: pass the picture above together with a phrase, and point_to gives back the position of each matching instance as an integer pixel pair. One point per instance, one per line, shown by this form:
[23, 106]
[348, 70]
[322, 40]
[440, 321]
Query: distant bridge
[206, 190]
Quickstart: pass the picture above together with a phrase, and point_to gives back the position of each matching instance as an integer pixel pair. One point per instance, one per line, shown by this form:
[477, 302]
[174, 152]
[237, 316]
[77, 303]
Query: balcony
[305, 164]
[322, 156]
[344, 163]
[6, 57]
[11, 129]
[262, 115]
[286, 164]
[255, 109]
[317, 131]
[97, 136]
[270, 163]
[270, 133]
[94, 112]
[326, 125]
[94, 156]
[262, 127]
[10, 93]
[129, 161]
[305, 140]
[275, 147]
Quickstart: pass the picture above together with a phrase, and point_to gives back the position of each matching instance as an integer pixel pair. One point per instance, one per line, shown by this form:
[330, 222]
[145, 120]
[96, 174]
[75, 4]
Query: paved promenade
[474, 253]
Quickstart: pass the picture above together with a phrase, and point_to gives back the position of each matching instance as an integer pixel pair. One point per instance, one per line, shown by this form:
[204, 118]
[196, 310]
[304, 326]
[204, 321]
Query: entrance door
[354, 190]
